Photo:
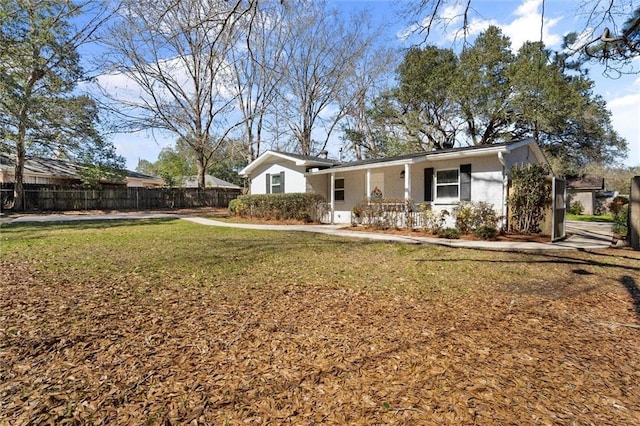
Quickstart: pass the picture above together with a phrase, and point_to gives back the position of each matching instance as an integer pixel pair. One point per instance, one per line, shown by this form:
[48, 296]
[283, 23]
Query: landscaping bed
[168, 322]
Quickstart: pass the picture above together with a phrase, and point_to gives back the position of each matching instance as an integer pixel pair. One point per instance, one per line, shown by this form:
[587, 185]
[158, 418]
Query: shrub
[530, 196]
[432, 221]
[450, 233]
[621, 221]
[470, 216]
[296, 206]
[486, 232]
[463, 213]
[576, 208]
[617, 204]
[233, 206]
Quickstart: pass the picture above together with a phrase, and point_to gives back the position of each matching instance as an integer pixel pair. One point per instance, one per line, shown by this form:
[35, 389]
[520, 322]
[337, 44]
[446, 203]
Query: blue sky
[519, 19]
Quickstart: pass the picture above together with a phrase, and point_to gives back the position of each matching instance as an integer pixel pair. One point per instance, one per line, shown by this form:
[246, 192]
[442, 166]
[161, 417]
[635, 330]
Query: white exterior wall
[294, 178]
[487, 184]
[354, 192]
[520, 156]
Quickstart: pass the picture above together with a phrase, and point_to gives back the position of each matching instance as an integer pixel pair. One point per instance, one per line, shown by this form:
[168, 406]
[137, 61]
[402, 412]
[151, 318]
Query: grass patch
[167, 321]
[590, 218]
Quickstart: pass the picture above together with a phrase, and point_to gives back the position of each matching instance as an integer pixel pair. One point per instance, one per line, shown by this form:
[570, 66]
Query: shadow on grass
[542, 258]
[634, 291]
[548, 258]
[86, 224]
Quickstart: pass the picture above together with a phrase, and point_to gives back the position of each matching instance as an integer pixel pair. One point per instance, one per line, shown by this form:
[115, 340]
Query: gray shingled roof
[56, 167]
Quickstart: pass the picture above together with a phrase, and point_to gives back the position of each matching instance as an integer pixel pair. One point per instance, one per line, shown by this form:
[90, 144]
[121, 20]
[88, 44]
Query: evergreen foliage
[531, 195]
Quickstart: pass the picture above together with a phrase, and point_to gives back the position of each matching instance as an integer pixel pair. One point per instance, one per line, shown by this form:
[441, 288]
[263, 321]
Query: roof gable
[297, 159]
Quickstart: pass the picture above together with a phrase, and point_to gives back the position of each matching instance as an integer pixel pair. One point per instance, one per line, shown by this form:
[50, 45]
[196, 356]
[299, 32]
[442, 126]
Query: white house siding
[355, 189]
[294, 178]
[486, 181]
[520, 156]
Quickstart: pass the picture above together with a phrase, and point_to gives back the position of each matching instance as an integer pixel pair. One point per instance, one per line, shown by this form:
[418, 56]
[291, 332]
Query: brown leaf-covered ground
[166, 322]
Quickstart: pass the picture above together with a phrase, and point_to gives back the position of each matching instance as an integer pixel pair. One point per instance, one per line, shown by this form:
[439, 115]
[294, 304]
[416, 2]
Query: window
[451, 185]
[338, 190]
[447, 185]
[276, 184]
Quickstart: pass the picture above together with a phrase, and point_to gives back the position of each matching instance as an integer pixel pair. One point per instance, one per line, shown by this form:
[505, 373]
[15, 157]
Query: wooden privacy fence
[43, 198]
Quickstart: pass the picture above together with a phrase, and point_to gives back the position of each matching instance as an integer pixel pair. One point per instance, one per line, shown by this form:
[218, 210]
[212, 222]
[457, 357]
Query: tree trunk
[18, 189]
[201, 170]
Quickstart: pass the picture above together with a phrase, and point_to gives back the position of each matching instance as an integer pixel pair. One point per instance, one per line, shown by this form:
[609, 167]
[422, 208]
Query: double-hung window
[276, 184]
[338, 189]
[447, 185]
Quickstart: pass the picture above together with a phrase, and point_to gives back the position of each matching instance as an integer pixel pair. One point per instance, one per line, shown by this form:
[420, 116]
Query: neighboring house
[585, 190]
[439, 178]
[51, 171]
[209, 182]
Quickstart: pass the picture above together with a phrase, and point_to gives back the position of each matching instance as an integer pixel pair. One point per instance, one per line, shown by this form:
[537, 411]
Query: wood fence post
[634, 213]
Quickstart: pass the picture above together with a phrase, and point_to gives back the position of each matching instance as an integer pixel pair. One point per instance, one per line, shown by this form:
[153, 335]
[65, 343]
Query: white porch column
[332, 195]
[407, 182]
[368, 186]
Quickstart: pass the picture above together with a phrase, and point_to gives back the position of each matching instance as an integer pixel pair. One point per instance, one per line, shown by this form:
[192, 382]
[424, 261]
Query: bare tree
[255, 71]
[175, 56]
[371, 74]
[321, 50]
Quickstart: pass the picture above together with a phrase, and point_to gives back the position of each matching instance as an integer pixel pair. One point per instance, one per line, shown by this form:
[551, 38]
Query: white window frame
[446, 200]
[278, 185]
[336, 189]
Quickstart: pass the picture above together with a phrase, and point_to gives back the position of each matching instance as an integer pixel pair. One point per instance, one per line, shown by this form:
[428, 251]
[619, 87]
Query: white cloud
[526, 26]
[625, 117]
[453, 14]
[522, 25]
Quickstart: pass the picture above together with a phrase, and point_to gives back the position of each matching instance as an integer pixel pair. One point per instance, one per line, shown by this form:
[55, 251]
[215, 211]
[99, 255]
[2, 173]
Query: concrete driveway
[591, 235]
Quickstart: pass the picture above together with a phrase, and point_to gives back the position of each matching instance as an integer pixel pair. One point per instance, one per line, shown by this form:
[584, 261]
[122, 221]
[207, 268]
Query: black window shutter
[282, 182]
[268, 184]
[428, 184]
[465, 182]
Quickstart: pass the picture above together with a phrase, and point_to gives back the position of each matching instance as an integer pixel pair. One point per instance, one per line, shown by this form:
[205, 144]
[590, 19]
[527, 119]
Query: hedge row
[308, 207]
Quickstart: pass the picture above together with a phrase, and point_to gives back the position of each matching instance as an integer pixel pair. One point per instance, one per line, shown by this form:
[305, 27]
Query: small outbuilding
[584, 190]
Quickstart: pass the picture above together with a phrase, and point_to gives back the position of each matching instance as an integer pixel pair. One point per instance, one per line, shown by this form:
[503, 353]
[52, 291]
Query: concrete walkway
[584, 235]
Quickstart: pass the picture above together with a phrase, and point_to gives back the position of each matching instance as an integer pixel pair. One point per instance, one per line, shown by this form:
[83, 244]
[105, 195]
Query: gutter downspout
[332, 195]
[505, 188]
[368, 186]
[407, 182]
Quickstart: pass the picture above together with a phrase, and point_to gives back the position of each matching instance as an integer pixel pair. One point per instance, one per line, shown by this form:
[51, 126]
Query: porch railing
[389, 214]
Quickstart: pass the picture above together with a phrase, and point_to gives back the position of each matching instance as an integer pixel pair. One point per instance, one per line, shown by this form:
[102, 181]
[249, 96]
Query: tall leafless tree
[255, 71]
[320, 52]
[174, 58]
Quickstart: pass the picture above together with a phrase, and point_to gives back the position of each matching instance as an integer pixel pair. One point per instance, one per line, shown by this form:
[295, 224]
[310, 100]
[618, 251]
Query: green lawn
[173, 322]
[590, 217]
